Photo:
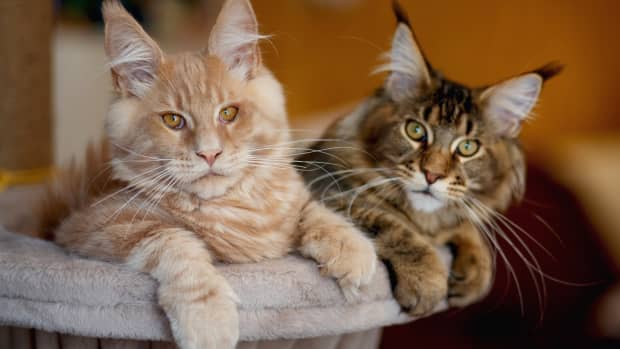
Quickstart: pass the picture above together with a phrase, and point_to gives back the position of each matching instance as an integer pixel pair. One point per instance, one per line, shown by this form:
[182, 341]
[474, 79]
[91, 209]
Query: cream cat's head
[192, 121]
[449, 144]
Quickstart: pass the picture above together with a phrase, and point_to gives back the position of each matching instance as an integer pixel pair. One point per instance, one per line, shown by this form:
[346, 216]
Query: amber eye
[228, 114]
[416, 131]
[468, 147]
[173, 121]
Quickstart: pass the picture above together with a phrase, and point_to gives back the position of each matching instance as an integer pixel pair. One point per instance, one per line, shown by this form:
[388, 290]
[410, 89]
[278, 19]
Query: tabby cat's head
[445, 141]
[191, 121]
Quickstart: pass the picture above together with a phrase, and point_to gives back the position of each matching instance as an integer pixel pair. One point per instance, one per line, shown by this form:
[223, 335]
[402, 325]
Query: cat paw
[353, 265]
[470, 279]
[419, 294]
[212, 323]
[419, 277]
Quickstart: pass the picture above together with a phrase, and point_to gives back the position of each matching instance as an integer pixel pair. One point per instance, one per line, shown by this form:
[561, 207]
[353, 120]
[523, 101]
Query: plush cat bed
[43, 287]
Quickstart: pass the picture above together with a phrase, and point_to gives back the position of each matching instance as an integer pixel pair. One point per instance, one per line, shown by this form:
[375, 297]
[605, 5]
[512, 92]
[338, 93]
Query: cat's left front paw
[470, 278]
[353, 264]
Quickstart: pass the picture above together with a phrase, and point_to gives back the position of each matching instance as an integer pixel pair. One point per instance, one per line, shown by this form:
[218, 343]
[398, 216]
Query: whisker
[300, 165]
[149, 198]
[304, 151]
[506, 221]
[544, 222]
[159, 176]
[282, 164]
[136, 153]
[347, 174]
[161, 193]
[480, 224]
[130, 184]
[532, 266]
[267, 166]
[370, 183]
[367, 187]
[312, 140]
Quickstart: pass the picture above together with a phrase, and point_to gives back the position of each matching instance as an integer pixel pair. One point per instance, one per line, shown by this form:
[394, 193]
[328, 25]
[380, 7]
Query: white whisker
[480, 224]
[138, 154]
[130, 184]
[159, 176]
[367, 187]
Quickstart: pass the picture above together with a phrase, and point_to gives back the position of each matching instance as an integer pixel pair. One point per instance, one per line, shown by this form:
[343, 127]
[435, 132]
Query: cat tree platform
[50, 299]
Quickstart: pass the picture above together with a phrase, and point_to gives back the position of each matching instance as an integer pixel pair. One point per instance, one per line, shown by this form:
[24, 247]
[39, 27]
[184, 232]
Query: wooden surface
[25, 100]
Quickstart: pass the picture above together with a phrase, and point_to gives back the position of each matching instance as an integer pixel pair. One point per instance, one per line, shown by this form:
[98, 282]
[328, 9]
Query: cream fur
[170, 214]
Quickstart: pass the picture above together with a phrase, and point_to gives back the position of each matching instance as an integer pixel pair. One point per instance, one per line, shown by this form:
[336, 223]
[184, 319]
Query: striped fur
[151, 202]
[412, 195]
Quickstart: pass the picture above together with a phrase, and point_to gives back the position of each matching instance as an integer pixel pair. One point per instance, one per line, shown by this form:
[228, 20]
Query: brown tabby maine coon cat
[425, 162]
[199, 173]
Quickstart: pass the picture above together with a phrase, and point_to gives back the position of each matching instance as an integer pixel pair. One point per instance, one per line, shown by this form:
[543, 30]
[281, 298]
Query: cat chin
[425, 202]
[210, 187]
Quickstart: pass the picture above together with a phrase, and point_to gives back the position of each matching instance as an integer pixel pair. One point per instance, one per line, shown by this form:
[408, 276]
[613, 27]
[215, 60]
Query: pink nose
[432, 177]
[209, 156]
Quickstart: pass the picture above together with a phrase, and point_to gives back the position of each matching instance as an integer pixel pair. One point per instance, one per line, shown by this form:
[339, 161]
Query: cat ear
[234, 38]
[507, 104]
[134, 56]
[408, 70]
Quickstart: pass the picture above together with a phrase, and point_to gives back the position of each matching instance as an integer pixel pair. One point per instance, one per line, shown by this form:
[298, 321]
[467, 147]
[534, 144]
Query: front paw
[470, 278]
[419, 293]
[211, 322]
[353, 264]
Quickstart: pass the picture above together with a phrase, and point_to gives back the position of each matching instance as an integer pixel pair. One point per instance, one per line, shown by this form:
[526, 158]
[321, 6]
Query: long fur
[160, 208]
[411, 194]
[73, 187]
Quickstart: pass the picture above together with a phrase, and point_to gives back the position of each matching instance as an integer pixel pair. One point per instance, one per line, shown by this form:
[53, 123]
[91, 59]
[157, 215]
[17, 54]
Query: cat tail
[72, 188]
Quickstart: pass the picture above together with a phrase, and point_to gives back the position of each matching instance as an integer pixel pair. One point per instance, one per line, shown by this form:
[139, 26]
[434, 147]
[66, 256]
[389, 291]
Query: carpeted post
[26, 150]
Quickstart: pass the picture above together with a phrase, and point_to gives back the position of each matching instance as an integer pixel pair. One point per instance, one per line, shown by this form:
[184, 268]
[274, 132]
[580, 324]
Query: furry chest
[242, 235]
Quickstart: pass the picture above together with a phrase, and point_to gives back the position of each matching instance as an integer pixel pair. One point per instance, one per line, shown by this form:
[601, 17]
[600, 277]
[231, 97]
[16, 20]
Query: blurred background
[323, 51]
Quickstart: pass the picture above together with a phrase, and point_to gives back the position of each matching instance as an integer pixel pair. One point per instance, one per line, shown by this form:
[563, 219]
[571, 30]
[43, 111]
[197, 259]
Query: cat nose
[432, 177]
[209, 156]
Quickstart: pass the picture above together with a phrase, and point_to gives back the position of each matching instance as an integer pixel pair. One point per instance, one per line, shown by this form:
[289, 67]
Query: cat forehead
[192, 77]
[450, 107]
[192, 68]
[446, 103]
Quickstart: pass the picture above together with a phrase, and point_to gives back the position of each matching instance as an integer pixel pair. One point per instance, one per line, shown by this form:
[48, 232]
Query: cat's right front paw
[353, 265]
[421, 284]
[208, 323]
[420, 296]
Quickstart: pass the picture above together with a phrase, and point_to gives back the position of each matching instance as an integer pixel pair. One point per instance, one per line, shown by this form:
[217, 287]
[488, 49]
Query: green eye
[416, 131]
[468, 147]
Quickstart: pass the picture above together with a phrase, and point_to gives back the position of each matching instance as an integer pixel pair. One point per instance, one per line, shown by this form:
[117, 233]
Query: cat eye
[173, 121]
[228, 114]
[416, 131]
[468, 147]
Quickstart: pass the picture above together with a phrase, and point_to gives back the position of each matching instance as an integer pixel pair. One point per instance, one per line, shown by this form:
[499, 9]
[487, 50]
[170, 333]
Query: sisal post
[25, 98]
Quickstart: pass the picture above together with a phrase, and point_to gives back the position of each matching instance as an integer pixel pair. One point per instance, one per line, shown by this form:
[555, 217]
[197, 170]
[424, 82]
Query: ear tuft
[549, 70]
[400, 13]
[234, 38]
[133, 56]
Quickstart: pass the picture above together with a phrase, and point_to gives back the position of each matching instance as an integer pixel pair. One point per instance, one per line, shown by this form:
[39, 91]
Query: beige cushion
[43, 287]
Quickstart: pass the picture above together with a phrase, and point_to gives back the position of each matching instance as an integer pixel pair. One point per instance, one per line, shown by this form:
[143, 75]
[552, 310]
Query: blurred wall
[324, 50]
[323, 54]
